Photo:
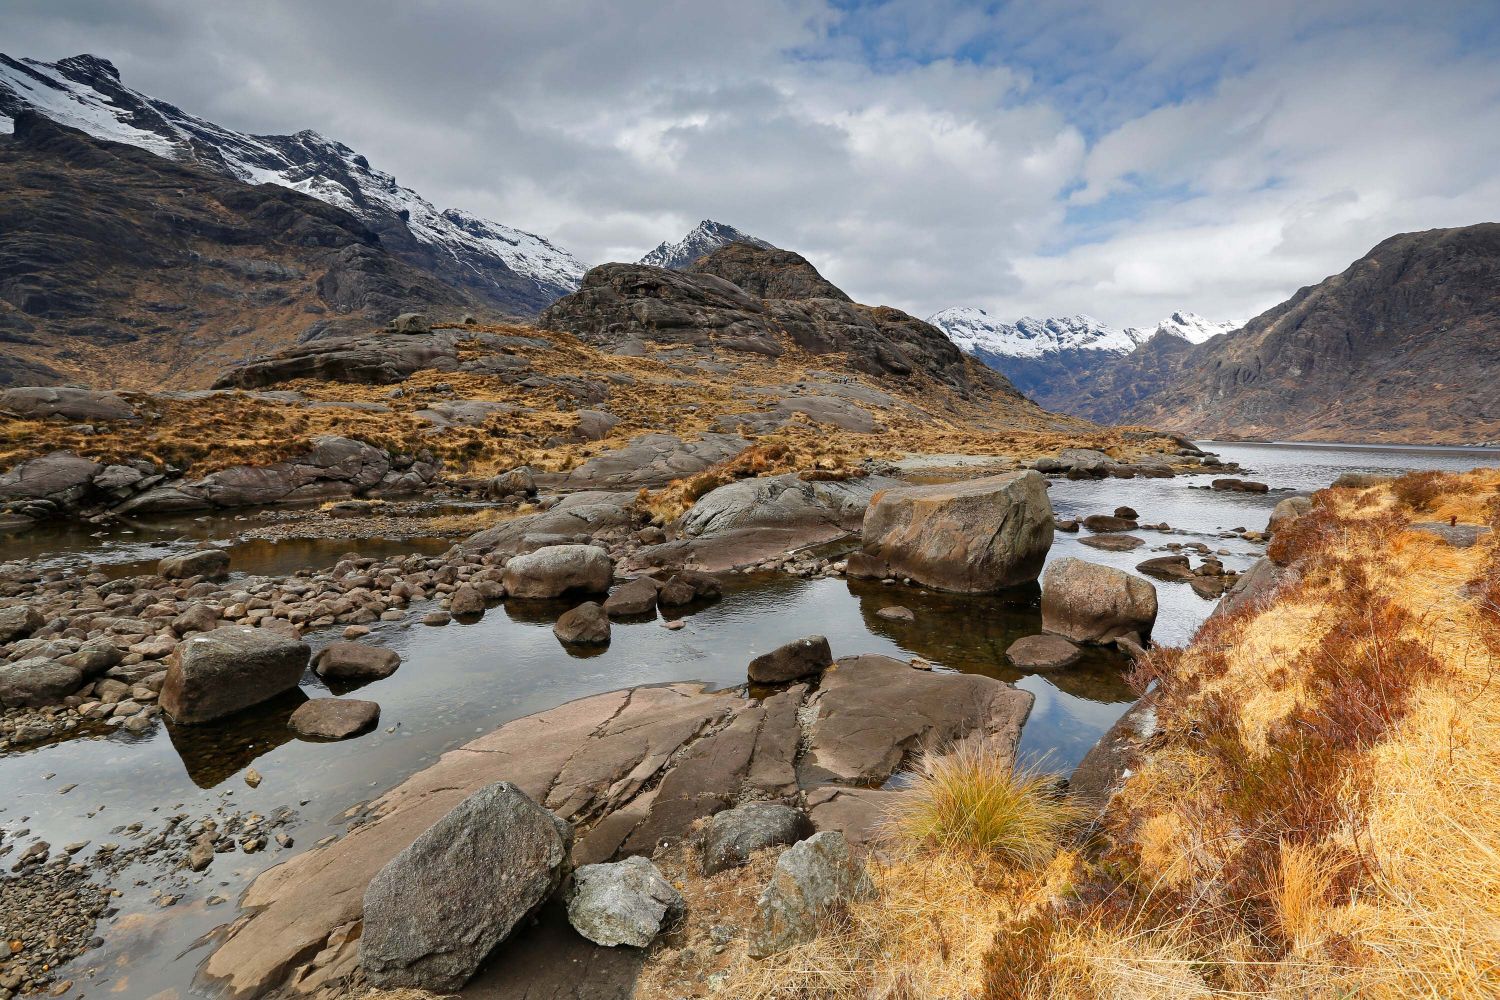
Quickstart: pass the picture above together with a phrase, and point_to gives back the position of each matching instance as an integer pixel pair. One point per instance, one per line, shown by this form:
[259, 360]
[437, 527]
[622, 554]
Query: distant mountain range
[512, 270]
[703, 240]
[1403, 346]
[1047, 358]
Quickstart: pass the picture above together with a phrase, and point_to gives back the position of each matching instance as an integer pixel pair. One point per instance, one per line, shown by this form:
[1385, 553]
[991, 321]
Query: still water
[464, 679]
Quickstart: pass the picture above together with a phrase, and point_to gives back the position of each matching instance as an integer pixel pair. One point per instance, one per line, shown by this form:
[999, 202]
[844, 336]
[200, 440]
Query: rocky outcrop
[434, 912]
[1091, 603]
[974, 536]
[783, 302]
[220, 672]
[381, 359]
[650, 460]
[68, 403]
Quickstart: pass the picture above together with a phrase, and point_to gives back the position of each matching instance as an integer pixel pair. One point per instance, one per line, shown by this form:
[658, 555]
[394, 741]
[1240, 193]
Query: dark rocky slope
[1403, 346]
[124, 269]
[754, 300]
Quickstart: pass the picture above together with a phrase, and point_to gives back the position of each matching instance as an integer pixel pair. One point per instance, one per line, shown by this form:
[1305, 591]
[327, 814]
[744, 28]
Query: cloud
[1119, 158]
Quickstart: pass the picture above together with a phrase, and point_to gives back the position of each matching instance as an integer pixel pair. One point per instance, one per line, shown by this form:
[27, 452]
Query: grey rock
[1042, 652]
[411, 323]
[334, 718]
[211, 563]
[638, 597]
[1460, 536]
[780, 502]
[355, 661]
[1286, 512]
[811, 879]
[60, 476]
[594, 425]
[626, 902]
[516, 482]
[19, 622]
[586, 624]
[557, 569]
[434, 912]
[1091, 603]
[799, 658]
[72, 404]
[733, 835]
[36, 681]
[220, 672]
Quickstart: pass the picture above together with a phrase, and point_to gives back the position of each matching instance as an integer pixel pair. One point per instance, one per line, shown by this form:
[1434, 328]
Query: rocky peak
[704, 239]
[85, 67]
[768, 273]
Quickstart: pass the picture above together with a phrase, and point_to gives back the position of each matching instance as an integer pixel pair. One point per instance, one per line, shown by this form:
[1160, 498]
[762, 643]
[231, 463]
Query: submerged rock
[220, 672]
[1091, 603]
[1043, 652]
[811, 879]
[626, 902]
[434, 912]
[976, 536]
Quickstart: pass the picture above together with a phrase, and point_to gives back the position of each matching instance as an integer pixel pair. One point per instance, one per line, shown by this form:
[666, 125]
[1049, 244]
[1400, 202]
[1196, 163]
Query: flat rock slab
[1112, 543]
[1460, 536]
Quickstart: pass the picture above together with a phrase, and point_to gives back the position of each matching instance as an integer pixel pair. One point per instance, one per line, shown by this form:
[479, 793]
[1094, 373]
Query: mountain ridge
[702, 240]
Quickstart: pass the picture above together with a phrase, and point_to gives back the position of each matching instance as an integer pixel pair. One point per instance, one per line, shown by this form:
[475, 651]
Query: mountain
[1402, 346]
[123, 269]
[705, 238]
[1189, 326]
[511, 270]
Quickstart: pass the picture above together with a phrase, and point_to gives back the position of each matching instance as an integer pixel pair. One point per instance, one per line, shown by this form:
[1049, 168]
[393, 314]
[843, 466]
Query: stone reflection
[216, 751]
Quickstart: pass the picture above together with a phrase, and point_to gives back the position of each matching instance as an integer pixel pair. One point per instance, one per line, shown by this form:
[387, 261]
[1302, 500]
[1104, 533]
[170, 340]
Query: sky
[1120, 158]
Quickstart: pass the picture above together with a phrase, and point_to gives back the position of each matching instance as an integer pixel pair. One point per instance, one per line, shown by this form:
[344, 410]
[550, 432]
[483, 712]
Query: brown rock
[355, 661]
[334, 718]
[1042, 652]
[793, 661]
[1091, 603]
[586, 624]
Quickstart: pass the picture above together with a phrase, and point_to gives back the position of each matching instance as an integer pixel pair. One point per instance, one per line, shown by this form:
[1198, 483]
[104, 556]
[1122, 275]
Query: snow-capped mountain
[516, 270]
[976, 332]
[1189, 326]
[705, 238]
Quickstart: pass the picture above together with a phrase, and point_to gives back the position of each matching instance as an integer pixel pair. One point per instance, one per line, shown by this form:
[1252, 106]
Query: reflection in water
[214, 752]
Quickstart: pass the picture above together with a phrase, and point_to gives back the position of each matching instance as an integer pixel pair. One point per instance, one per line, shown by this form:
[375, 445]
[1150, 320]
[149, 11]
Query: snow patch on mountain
[85, 92]
[977, 332]
[703, 240]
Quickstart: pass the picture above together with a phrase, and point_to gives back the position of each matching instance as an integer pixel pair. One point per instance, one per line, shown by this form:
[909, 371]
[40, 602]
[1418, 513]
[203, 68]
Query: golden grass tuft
[967, 799]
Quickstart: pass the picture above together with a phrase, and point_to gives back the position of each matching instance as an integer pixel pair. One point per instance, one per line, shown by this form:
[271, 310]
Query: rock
[586, 624]
[1128, 513]
[60, 477]
[19, 622]
[220, 672]
[800, 658]
[1112, 543]
[1042, 652]
[785, 501]
[71, 404]
[334, 718]
[557, 569]
[1286, 512]
[1065, 524]
[411, 323]
[896, 613]
[595, 425]
[434, 912]
[1239, 486]
[735, 834]
[1257, 583]
[380, 359]
[36, 681]
[1091, 603]
[210, 563]
[629, 600]
[976, 536]
[198, 618]
[811, 879]
[1176, 568]
[516, 482]
[466, 600]
[355, 661]
[626, 902]
[1460, 536]
[1210, 588]
[1109, 522]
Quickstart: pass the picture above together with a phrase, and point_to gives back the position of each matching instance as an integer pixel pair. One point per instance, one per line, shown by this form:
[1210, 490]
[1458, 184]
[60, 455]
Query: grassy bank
[1317, 815]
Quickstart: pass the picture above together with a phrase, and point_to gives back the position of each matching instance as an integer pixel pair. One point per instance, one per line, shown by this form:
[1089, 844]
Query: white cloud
[1122, 159]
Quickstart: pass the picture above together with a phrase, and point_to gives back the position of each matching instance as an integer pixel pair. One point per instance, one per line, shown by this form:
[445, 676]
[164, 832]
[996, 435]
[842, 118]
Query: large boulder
[36, 681]
[517, 482]
[59, 476]
[70, 404]
[434, 912]
[811, 880]
[220, 672]
[977, 536]
[557, 569]
[18, 622]
[211, 563]
[626, 902]
[797, 659]
[780, 502]
[1091, 603]
[735, 834]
